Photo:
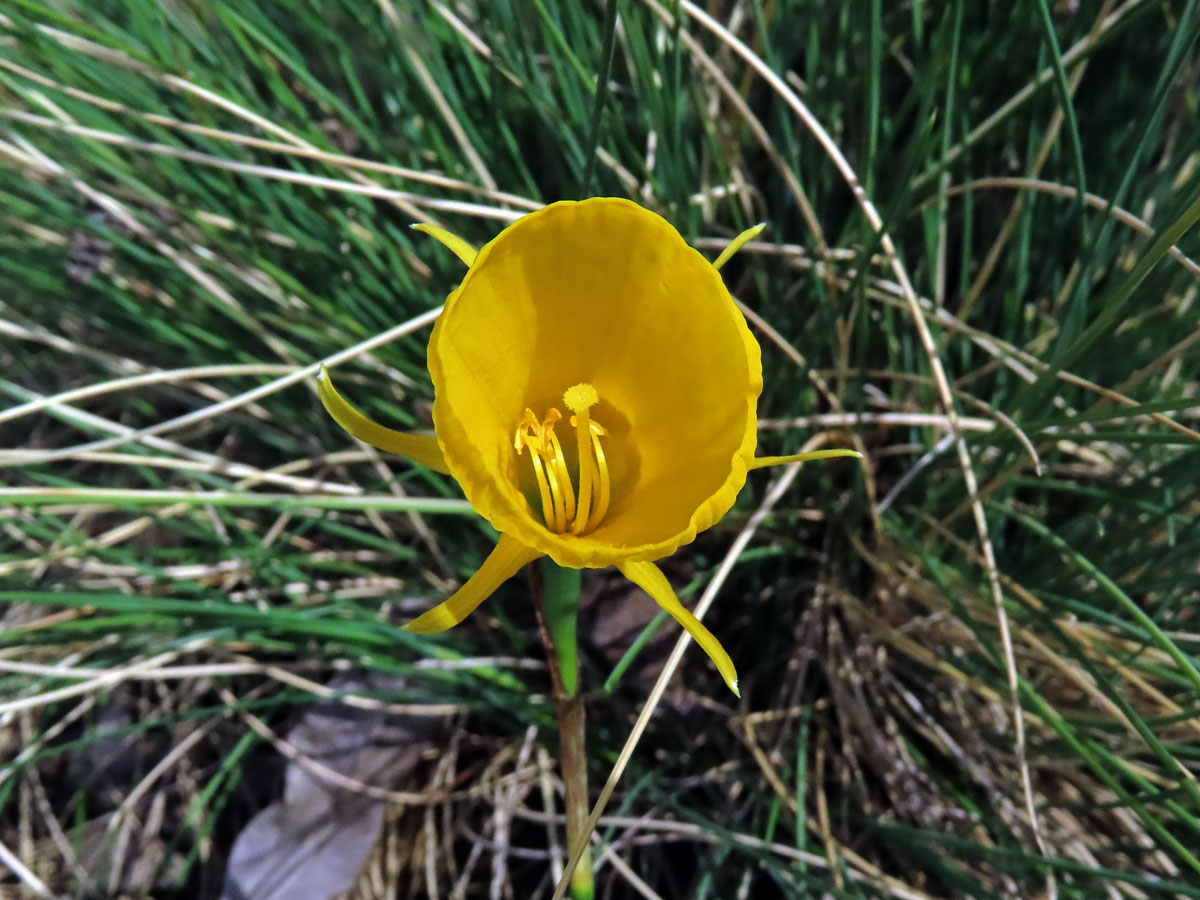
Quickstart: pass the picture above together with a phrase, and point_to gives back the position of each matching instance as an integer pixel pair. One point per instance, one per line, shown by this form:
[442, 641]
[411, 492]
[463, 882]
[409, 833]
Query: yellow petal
[650, 579]
[604, 292]
[737, 243]
[502, 563]
[417, 447]
[451, 241]
[760, 461]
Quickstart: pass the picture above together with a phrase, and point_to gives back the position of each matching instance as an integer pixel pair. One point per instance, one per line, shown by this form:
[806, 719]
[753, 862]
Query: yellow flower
[595, 394]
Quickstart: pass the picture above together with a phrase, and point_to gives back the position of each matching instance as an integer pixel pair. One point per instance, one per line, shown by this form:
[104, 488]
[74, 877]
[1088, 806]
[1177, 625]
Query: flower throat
[563, 508]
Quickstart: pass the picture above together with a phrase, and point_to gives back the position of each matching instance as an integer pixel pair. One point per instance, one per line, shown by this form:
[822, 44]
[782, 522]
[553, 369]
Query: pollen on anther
[580, 397]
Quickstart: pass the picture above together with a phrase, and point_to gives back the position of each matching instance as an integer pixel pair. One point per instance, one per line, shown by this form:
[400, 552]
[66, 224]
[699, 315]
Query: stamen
[605, 487]
[557, 464]
[562, 508]
[579, 400]
[536, 446]
[550, 502]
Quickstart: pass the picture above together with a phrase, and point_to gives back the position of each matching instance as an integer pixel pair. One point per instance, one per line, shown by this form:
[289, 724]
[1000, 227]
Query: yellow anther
[529, 434]
[562, 507]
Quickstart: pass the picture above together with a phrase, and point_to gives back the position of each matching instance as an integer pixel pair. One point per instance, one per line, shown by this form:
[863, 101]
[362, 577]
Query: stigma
[565, 508]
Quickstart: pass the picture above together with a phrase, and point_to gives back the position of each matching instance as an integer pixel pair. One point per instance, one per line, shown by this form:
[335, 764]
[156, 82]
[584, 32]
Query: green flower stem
[556, 599]
[560, 602]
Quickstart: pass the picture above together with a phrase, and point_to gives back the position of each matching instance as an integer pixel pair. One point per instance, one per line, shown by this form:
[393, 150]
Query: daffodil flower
[595, 392]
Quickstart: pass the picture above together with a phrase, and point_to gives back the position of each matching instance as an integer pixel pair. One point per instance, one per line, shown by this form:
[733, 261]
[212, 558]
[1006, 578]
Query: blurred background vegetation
[199, 200]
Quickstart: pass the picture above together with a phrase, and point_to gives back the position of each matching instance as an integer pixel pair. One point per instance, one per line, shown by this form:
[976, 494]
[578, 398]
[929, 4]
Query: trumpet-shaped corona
[600, 306]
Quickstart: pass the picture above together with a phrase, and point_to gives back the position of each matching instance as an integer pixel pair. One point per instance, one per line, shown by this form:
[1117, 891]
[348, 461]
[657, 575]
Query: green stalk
[556, 599]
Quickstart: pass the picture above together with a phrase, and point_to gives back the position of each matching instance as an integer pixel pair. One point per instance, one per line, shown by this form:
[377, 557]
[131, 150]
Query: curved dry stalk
[103, 681]
[26, 876]
[183, 85]
[477, 43]
[797, 255]
[420, 204]
[251, 474]
[848, 420]
[523, 775]
[1004, 233]
[208, 412]
[136, 381]
[828, 393]
[92, 501]
[29, 156]
[1044, 77]
[340, 160]
[1141, 226]
[791, 353]
[92, 497]
[931, 352]
[756, 127]
[1021, 362]
[439, 99]
[886, 885]
[222, 466]
[835, 420]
